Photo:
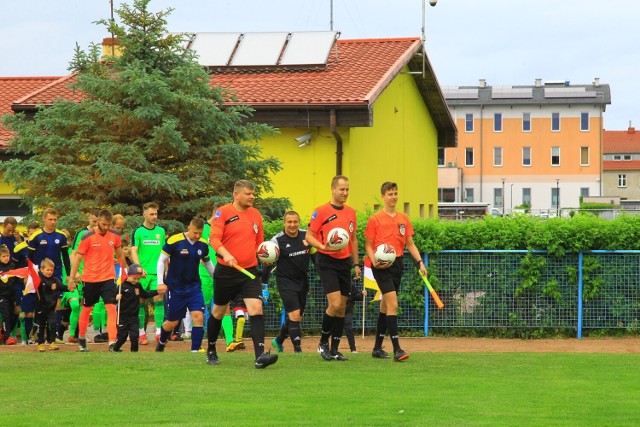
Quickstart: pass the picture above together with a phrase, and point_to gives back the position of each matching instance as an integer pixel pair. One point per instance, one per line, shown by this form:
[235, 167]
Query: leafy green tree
[150, 126]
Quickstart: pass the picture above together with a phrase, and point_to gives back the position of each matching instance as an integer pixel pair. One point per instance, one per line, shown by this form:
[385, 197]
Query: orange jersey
[98, 250]
[240, 232]
[327, 217]
[392, 230]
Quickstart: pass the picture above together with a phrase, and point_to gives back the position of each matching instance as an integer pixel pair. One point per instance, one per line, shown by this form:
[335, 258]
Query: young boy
[7, 298]
[129, 299]
[47, 298]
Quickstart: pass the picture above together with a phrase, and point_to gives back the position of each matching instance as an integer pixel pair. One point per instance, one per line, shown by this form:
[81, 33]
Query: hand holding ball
[338, 238]
[385, 254]
[268, 252]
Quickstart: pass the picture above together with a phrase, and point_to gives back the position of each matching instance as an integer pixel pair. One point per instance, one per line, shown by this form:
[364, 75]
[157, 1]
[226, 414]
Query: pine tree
[150, 127]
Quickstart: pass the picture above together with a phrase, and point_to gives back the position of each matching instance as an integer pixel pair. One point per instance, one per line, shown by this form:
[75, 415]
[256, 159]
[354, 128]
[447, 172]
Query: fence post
[580, 295]
[425, 292]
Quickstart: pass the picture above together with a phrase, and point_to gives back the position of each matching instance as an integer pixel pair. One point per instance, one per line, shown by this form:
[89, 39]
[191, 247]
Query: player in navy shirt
[49, 242]
[182, 284]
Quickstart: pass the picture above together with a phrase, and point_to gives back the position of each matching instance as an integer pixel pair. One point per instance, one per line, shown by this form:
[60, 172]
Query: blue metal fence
[502, 289]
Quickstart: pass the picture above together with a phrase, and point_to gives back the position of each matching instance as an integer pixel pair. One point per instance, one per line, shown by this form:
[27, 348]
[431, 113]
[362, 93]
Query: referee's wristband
[417, 262]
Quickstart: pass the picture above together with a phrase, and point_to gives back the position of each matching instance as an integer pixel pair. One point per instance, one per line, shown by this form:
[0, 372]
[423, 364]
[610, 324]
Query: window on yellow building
[497, 122]
[584, 156]
[526, 196]
[468, 122]
[468, 156]
[555, 156]
[468, 195]
[440, 156]
[526, 156]
[555, 122]
[497, 156]
[498, 198]
[526, 122]
[584, 122]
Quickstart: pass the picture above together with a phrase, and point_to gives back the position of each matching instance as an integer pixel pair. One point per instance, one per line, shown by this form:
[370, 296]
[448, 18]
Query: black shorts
[92, 292]
[229, 282]
[293, 293]
[335, 274]
[388, 279]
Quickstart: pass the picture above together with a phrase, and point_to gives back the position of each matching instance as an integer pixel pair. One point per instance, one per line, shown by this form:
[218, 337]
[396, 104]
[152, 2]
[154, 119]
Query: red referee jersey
[327, 217]
[392, 230]
[240, 232]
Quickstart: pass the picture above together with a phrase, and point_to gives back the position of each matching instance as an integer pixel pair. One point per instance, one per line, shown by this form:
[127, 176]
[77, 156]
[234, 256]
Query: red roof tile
[14, 88]
[355, 75]
[621, 165]
[621, 141]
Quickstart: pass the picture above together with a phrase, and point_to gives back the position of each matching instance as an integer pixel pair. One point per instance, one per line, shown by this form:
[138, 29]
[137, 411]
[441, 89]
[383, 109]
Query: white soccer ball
[385, 254]
[338, 238]
[268, 252]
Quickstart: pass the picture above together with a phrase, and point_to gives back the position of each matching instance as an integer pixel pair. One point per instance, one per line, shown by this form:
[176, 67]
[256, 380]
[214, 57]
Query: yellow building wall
[400, 147]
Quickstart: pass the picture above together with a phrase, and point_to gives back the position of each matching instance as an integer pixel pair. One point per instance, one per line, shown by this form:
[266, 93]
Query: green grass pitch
[429, 389]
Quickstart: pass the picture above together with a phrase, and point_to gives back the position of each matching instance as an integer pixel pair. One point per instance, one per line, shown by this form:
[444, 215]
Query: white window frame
[467, 150]
[582, 114]
[468, 116]
[497, 122]
[498, 156]
[559, 122]
[523, 157]
[559, 162]
[588, 156]
[527, 120]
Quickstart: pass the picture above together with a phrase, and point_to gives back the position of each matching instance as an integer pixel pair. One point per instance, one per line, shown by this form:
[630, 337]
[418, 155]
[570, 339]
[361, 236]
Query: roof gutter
[336, 135]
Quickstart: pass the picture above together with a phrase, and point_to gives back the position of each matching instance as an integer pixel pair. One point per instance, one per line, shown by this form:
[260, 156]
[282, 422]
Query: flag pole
[364, 308]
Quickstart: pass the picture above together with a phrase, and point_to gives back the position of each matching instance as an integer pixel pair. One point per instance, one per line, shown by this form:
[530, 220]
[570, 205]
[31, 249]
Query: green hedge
[556, 235]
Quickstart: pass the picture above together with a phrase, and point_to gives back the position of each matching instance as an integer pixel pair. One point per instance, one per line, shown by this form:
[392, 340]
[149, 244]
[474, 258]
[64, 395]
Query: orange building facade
[539, 146]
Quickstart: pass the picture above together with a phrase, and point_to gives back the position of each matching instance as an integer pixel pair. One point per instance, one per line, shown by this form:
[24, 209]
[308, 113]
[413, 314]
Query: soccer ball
[385, 254]
[268, 252]
[338, 238]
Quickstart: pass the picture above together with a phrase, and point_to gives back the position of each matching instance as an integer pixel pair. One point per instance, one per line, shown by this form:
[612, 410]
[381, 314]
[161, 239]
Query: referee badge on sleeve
[255, 228]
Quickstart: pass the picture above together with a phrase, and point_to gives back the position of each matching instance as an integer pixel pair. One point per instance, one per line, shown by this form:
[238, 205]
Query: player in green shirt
[146, 245]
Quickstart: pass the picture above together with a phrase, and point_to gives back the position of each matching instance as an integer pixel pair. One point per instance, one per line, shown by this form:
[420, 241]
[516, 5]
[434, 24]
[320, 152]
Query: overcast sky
[506, 42]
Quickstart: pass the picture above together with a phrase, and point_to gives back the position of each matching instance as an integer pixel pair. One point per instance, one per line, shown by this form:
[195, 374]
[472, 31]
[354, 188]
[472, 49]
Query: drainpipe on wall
[481, 171]
[336, 135]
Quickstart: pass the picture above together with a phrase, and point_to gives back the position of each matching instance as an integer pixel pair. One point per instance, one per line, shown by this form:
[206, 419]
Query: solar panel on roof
[458, 93]
[511, 93]
[259, 49]
[214, 49]
[308, 48]
[569, 92]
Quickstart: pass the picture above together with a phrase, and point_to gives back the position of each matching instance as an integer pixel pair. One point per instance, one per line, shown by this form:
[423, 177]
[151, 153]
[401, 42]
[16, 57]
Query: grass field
[430, 389]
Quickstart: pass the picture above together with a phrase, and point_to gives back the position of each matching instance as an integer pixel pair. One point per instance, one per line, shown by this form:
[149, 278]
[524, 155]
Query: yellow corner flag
[370, 281]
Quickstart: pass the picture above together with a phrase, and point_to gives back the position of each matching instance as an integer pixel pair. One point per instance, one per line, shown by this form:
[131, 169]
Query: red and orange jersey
[240, 232]
[392, 230]
[98, 250]
[327, 217]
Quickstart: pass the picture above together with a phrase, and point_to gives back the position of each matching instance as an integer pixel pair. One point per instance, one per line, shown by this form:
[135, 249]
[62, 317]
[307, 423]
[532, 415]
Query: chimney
[110, 47]
[538, 82]
[631, 129]
[596, 82]
[483, 83]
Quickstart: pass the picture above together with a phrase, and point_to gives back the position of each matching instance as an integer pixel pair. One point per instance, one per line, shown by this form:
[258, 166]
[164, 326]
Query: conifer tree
[150, 126]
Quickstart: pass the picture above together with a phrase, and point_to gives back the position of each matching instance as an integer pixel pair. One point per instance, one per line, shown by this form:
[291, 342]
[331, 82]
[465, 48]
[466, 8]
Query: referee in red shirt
[236, 232]
[334, 266]
[393, 228]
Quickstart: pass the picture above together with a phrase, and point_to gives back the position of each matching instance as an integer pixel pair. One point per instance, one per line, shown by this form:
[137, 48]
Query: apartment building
[539, 145]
